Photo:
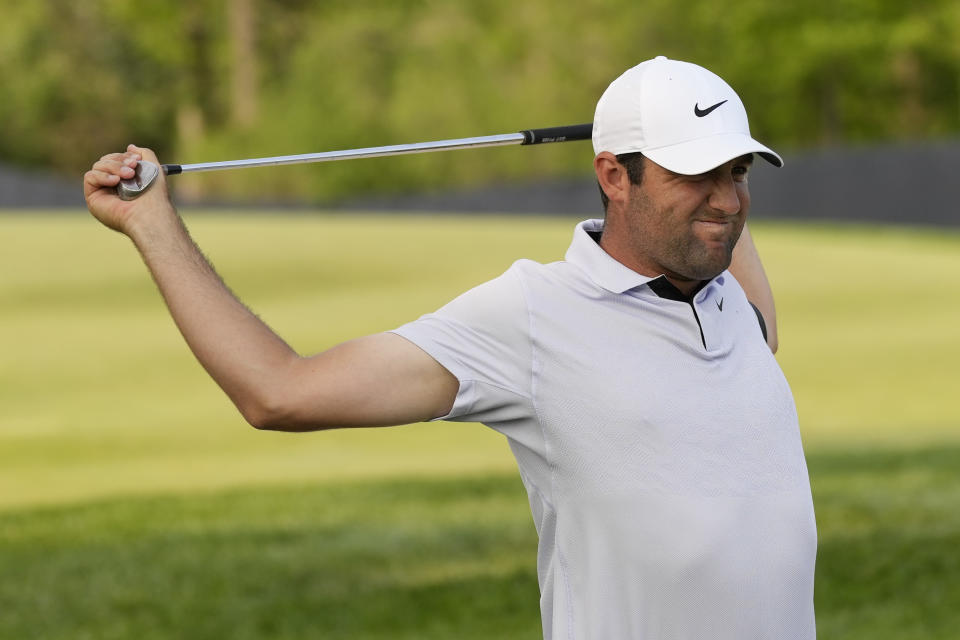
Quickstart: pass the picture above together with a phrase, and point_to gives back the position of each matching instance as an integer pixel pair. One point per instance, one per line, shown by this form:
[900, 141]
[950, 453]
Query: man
[654, 431]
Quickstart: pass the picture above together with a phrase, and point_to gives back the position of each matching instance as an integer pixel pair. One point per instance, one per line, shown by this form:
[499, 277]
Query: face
[686, 226]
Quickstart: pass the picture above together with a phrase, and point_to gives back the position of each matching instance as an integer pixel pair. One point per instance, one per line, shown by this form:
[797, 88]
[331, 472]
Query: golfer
[634, 380]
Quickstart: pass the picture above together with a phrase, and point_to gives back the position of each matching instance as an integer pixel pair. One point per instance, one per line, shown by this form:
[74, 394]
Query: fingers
[113, 167]
[145, 153]
[121, 164]
[110, 169]
[96, 178]
[107, 172]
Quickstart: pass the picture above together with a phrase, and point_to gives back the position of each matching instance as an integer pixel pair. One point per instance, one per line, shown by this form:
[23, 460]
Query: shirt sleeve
[483, 339]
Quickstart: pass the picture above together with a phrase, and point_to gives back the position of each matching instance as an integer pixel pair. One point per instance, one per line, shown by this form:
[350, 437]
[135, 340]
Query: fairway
[134, 500]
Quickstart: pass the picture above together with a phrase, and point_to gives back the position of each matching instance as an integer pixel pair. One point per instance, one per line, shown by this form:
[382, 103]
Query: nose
[724, 196]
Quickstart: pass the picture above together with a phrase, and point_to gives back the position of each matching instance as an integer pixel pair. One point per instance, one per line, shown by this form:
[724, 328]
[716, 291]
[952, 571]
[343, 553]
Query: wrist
[155, 223]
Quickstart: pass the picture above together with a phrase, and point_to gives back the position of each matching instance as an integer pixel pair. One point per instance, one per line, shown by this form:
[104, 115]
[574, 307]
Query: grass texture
[134, 501]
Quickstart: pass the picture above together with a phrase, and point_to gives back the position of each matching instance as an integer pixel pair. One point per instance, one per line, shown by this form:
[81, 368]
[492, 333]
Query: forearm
[242, 354]
[747, 268]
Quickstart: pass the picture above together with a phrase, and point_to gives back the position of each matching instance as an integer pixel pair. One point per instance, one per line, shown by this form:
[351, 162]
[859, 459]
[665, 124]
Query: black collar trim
[666, 289]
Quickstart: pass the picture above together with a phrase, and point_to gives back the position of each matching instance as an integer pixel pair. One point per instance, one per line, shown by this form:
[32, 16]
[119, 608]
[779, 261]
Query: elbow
[270, 403]
[262, 422]
[261, 417]
[266, 420]
[279, 413]
[266, 412]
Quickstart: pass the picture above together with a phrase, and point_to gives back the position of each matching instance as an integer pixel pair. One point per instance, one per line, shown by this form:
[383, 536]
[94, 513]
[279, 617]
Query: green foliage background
[83, 79]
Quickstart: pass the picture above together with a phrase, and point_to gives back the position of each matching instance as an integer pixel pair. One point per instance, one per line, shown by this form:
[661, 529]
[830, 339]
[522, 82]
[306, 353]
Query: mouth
[713, 232]
[715, 225]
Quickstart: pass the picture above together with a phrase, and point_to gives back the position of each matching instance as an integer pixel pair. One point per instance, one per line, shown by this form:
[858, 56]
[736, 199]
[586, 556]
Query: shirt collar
[599, 265]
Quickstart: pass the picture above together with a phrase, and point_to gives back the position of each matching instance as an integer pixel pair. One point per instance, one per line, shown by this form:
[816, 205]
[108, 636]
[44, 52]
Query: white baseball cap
[678, 114]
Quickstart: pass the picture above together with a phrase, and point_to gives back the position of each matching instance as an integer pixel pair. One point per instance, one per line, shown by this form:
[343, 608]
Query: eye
[740, 172]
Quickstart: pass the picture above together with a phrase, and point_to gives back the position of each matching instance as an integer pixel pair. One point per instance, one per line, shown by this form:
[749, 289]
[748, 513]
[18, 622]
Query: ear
[612, 177]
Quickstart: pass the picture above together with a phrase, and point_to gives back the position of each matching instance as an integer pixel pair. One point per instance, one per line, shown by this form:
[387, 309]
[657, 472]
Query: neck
[686, 287]
[624, 256]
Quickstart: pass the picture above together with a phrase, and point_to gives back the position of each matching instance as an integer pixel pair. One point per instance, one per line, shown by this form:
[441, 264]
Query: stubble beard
[688, 256]
[694, 259]
[681, 254]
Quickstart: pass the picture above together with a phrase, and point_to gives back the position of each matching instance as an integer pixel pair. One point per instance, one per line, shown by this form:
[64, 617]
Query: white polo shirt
[658, 443]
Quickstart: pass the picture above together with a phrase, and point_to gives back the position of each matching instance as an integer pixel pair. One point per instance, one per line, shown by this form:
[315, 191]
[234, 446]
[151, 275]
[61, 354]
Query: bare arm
[748, 270]
[377, 380]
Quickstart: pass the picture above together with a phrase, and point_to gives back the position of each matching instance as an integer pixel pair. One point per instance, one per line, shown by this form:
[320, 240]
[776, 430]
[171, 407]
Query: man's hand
[99, 189]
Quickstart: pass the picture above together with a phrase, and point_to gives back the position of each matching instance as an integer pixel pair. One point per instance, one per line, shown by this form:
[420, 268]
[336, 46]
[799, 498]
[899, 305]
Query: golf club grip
[558, 134]
[171, 169]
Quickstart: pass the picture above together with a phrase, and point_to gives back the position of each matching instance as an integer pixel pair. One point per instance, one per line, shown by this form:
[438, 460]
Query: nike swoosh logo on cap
[697, 111]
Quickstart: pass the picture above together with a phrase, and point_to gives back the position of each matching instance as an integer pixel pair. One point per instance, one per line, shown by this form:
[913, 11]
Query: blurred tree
[243, 63]
[216, 79]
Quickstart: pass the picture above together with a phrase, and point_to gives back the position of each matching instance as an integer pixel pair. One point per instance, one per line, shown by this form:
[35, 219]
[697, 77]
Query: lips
[714, 231]
[715, 223]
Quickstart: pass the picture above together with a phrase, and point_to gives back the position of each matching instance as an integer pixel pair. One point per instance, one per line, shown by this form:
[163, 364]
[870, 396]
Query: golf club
[146, 172]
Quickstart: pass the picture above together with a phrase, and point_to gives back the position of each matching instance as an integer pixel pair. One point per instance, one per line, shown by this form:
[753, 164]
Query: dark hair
[633, 162]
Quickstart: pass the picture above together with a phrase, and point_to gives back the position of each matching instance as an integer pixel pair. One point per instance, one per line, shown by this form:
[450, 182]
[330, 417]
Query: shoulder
[534, 276]
[501, 308]
[496, 311]
[492, 302]
[482, 335]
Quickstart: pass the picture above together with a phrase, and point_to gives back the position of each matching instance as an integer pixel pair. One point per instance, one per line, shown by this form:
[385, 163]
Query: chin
[708, 270]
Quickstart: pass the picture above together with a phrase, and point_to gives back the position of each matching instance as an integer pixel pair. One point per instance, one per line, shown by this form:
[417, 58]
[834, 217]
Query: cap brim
[704, 154]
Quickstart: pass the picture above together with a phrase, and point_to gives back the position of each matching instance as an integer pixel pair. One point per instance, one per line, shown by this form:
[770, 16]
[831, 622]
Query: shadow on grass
[433, 558]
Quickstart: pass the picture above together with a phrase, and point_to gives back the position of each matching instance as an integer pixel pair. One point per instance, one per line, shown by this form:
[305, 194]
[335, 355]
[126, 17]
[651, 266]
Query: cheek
[743, 193]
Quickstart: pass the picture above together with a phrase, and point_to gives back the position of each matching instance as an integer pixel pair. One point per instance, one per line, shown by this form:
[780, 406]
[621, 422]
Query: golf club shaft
[527, 137]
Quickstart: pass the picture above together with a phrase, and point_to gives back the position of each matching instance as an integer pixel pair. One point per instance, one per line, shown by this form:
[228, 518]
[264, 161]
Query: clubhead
[144, 175]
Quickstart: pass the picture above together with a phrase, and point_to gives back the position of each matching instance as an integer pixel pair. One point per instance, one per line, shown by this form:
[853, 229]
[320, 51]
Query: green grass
[889, 558]
[397, 559]
[440, 558]
[134, 501]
